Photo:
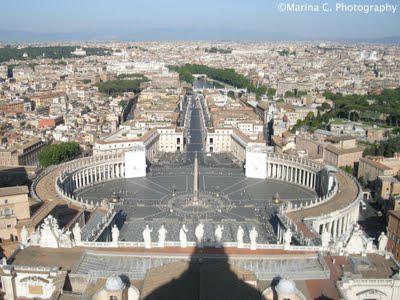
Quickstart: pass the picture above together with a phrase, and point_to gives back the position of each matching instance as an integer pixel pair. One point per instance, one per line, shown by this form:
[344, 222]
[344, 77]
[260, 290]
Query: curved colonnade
[342, 219]
[86, 172]
[336, 219]
[336, 210]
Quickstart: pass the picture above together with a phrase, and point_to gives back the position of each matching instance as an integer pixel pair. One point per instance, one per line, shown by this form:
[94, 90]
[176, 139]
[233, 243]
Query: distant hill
[163, 34]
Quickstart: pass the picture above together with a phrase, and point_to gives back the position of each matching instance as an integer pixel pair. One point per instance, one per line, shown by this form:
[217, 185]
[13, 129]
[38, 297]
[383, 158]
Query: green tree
[271, 92]
[56, 153]
[289, 94]
[325, 106]
[118, 87]
[122, 103]
[348, 169]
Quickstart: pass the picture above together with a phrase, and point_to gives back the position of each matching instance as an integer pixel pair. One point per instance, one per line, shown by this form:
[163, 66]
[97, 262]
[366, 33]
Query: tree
[118, 87]
[289, 94]
[348, 169]
[122, 103]
[271, 92]
[325, 106]
[56, 153]
[231, 94]
[385, 148]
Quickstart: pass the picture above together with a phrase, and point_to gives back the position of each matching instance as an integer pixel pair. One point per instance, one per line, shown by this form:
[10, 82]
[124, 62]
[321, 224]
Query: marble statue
[199, 232]
[76, 231]
[183, 236]
[65, 240]
[239, 237]
[325, 238]
[253, 238]
[218, 233]
[370, 245]
[24, 235]
[287, 237]
[35, 237]
[162, 234]
[382, 240]
[49, 233]
[114, 234]
[357, 240]
[147, 236]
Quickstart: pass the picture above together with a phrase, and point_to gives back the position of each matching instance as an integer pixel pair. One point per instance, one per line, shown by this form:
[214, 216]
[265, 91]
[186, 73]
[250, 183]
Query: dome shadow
[207, 275]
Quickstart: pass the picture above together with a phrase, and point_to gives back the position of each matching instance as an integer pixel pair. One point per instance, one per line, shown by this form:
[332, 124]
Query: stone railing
[70, 166]
[32, 268]
[301, 162]
[297, 205]
[39, 177]
[176, 244]
[105, 222]
[354, 202]
[72, 199]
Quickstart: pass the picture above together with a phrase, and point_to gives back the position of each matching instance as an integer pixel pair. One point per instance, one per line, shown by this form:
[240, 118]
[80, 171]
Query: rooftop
[14, 190]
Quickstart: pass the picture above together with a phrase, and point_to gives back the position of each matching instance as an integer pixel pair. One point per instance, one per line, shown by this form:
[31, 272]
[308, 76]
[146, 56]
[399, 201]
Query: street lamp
[276, 199]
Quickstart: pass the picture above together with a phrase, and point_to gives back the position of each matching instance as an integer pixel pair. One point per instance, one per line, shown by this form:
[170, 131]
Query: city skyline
[175, 20]
[200, 150]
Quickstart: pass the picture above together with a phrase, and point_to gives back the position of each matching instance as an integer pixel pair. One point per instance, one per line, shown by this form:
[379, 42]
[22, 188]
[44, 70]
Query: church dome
[114, 284]
[286, 287]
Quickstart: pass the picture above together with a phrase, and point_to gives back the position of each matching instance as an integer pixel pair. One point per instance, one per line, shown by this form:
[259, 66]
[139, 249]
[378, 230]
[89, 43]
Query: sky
[193, 19]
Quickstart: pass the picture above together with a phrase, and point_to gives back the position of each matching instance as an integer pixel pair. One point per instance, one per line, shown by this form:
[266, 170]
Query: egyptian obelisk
[196, 181]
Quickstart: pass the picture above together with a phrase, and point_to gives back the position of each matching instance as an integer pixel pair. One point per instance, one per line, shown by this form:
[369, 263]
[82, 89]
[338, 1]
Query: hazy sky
[115, 17]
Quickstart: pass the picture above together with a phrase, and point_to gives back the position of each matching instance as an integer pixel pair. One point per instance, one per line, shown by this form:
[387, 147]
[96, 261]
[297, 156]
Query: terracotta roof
[339, 151]
[375, 163]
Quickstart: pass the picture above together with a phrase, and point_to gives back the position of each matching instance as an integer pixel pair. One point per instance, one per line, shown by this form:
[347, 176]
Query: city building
[14, 206]
[342, 151]
[371, 167]
[24, 153]
[393, 233]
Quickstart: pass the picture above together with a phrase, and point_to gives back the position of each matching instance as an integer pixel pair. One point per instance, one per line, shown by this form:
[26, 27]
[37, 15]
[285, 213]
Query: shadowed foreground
[203, 277]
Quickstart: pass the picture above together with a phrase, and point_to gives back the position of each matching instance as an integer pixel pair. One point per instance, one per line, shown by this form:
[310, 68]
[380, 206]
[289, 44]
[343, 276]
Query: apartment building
[24, 153]
[371, 167]
[341, 151]
[14, 206]
[393, 233]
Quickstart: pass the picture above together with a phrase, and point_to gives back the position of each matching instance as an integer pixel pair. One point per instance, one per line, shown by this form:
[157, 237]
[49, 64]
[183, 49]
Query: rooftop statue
[239, 237]
[147, 236]
[162, 234]
[182, 236]
[253, 238]
[199, 232]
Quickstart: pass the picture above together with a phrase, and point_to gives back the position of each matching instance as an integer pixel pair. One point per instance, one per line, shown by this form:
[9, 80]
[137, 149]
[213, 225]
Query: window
[7, 211]
[113, 298]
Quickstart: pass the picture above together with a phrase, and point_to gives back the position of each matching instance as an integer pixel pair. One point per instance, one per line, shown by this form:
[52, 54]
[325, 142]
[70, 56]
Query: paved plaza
[165, 196]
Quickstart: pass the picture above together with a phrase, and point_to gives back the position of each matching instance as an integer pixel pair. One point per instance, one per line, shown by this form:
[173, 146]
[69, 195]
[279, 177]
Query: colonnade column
[334, 233]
